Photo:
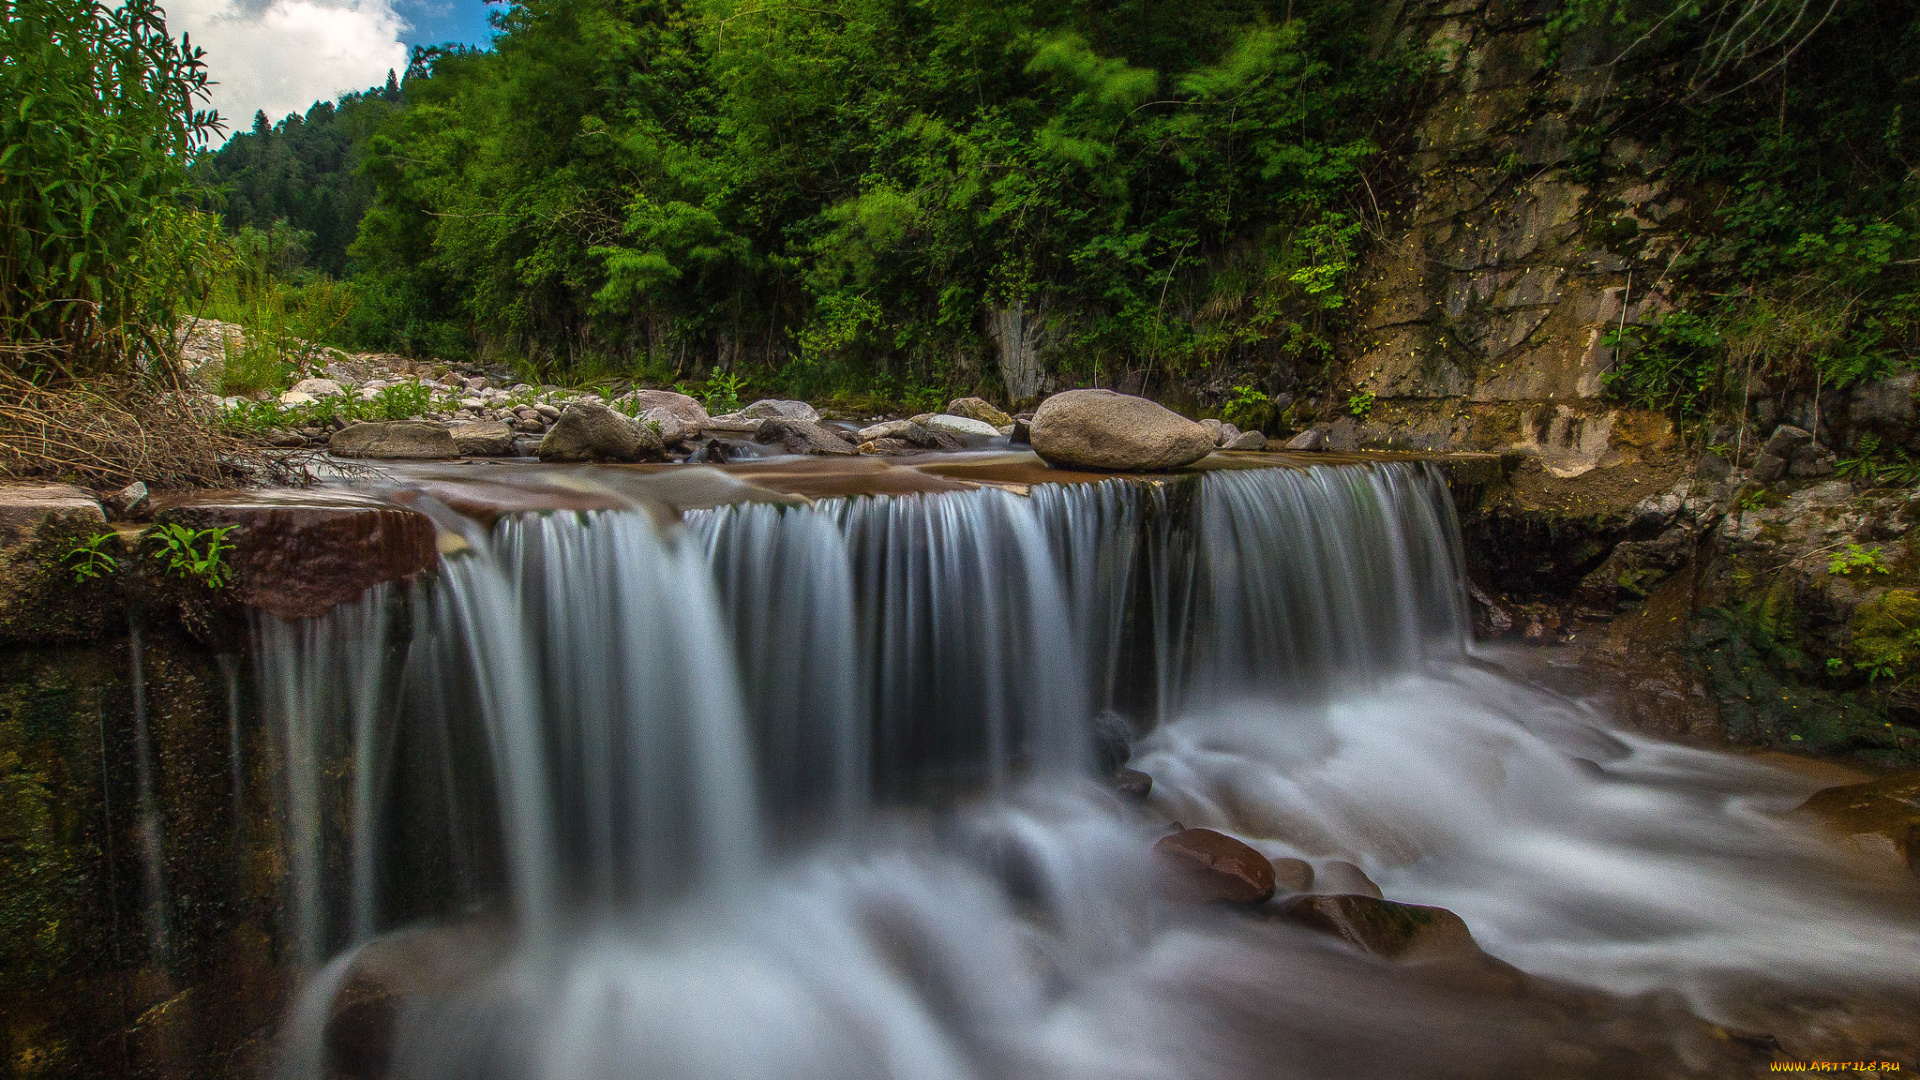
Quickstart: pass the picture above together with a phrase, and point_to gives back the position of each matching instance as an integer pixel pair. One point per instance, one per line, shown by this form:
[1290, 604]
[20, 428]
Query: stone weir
[144, 858]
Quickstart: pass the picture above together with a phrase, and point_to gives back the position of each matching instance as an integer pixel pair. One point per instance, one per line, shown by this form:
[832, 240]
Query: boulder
[1344, 877]
[1099, 429]
[297, 397]
[415, 440]
[689, 411]
[1777, 455]
[1214, 866]
[1248, 440]
[488, 438]
[980, 409]
[590, 431]
[1386, 929]
[1292, 875]
[968, 432]
[318, 388]
[1022, 433]
[669, 425]
[801, 437]
[777, 409]
[733, 424]
[1310, 439]
[408, 971]
[1215, 429]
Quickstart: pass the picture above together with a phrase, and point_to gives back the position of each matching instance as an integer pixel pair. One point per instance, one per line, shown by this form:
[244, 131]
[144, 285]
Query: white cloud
[283, 55]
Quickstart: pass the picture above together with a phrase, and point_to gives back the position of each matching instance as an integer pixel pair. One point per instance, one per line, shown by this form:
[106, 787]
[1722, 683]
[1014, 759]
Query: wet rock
[590, 431]
[887, 446]
[778, 409]
[1310, 439]
[298, 560]
[685, 409]
[40, 599]
[1248, 440]
[392, 976]
[801, 437]
[1344, 877]
[415, 440]
[1292, 875]
[1878, 817]
[1099, 429]
[1386, 929]
[1213, 866]
[129, 501]
[1132, 784]
[980, 409]
[1022, 433]
[1112, 741]
[488, 438]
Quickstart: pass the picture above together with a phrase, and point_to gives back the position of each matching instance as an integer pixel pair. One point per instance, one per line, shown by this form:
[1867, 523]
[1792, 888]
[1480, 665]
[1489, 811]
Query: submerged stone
[1389, 930]
[1344, 877]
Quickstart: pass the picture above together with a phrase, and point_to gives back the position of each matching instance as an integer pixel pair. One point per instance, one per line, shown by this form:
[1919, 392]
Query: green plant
[98, 121]
[1883, 634]
[195, 554]
[89, 559]
[1248, 407]
[1360, 404]
[1752, 499]
[722, 392]
[1856, 557]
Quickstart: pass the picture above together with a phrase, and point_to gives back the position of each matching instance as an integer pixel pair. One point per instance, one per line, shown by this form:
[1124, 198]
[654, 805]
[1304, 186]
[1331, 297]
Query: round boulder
[1099, 429]
[415, 440]
[688, 411]
[777, 409]
[590, 431]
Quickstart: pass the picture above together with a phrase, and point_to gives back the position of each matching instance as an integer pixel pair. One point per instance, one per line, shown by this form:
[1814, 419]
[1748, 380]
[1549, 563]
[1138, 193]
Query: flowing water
[809, 792]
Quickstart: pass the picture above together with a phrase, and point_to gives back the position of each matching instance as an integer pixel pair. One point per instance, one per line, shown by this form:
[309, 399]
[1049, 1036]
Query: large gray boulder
[777, 409]
[968, 431]
[1099, 429]
[487, 438]
[801, 437]
[590, 431]
[689, 412]
[396, 440]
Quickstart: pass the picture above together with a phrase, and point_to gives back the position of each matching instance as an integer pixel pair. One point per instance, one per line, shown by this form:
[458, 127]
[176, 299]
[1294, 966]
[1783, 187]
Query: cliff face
[1482, 310]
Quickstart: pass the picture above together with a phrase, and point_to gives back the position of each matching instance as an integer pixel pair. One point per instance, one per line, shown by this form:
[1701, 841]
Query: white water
[800, 793]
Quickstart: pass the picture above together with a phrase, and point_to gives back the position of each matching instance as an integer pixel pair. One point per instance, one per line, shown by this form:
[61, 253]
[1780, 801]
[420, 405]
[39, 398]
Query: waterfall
[648, 700]
[805, 791]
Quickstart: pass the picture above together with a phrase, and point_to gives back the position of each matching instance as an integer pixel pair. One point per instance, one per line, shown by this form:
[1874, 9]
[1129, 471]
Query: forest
[880, 198]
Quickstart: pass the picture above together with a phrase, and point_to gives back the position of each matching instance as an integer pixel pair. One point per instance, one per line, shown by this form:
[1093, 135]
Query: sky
[283, 55]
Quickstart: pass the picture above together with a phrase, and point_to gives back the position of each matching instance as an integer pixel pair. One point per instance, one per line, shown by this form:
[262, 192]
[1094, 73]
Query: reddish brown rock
[1214, 866]
[297, 560]
[1879, 817]
[1386, 929]
[411, 968]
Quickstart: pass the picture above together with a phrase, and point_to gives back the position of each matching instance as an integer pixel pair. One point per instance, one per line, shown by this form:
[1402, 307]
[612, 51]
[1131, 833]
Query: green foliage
[1870, 466]
[1248, 408]
[1360, 404]
[97, 120]
[1798, 263]
[1883, 635]
[720, 393]
[89, 558]
[195, 554]
[401, 401]
[836, 197]
[1856, 557]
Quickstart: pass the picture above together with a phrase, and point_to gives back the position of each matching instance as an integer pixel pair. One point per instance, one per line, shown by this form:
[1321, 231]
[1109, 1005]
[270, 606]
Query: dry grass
[107, 432]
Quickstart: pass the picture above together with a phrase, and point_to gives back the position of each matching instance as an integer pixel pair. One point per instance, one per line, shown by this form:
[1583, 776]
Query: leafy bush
[195, 554]
[98, 120]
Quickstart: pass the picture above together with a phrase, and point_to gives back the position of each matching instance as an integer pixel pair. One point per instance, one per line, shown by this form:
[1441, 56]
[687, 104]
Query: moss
[1883, 636]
